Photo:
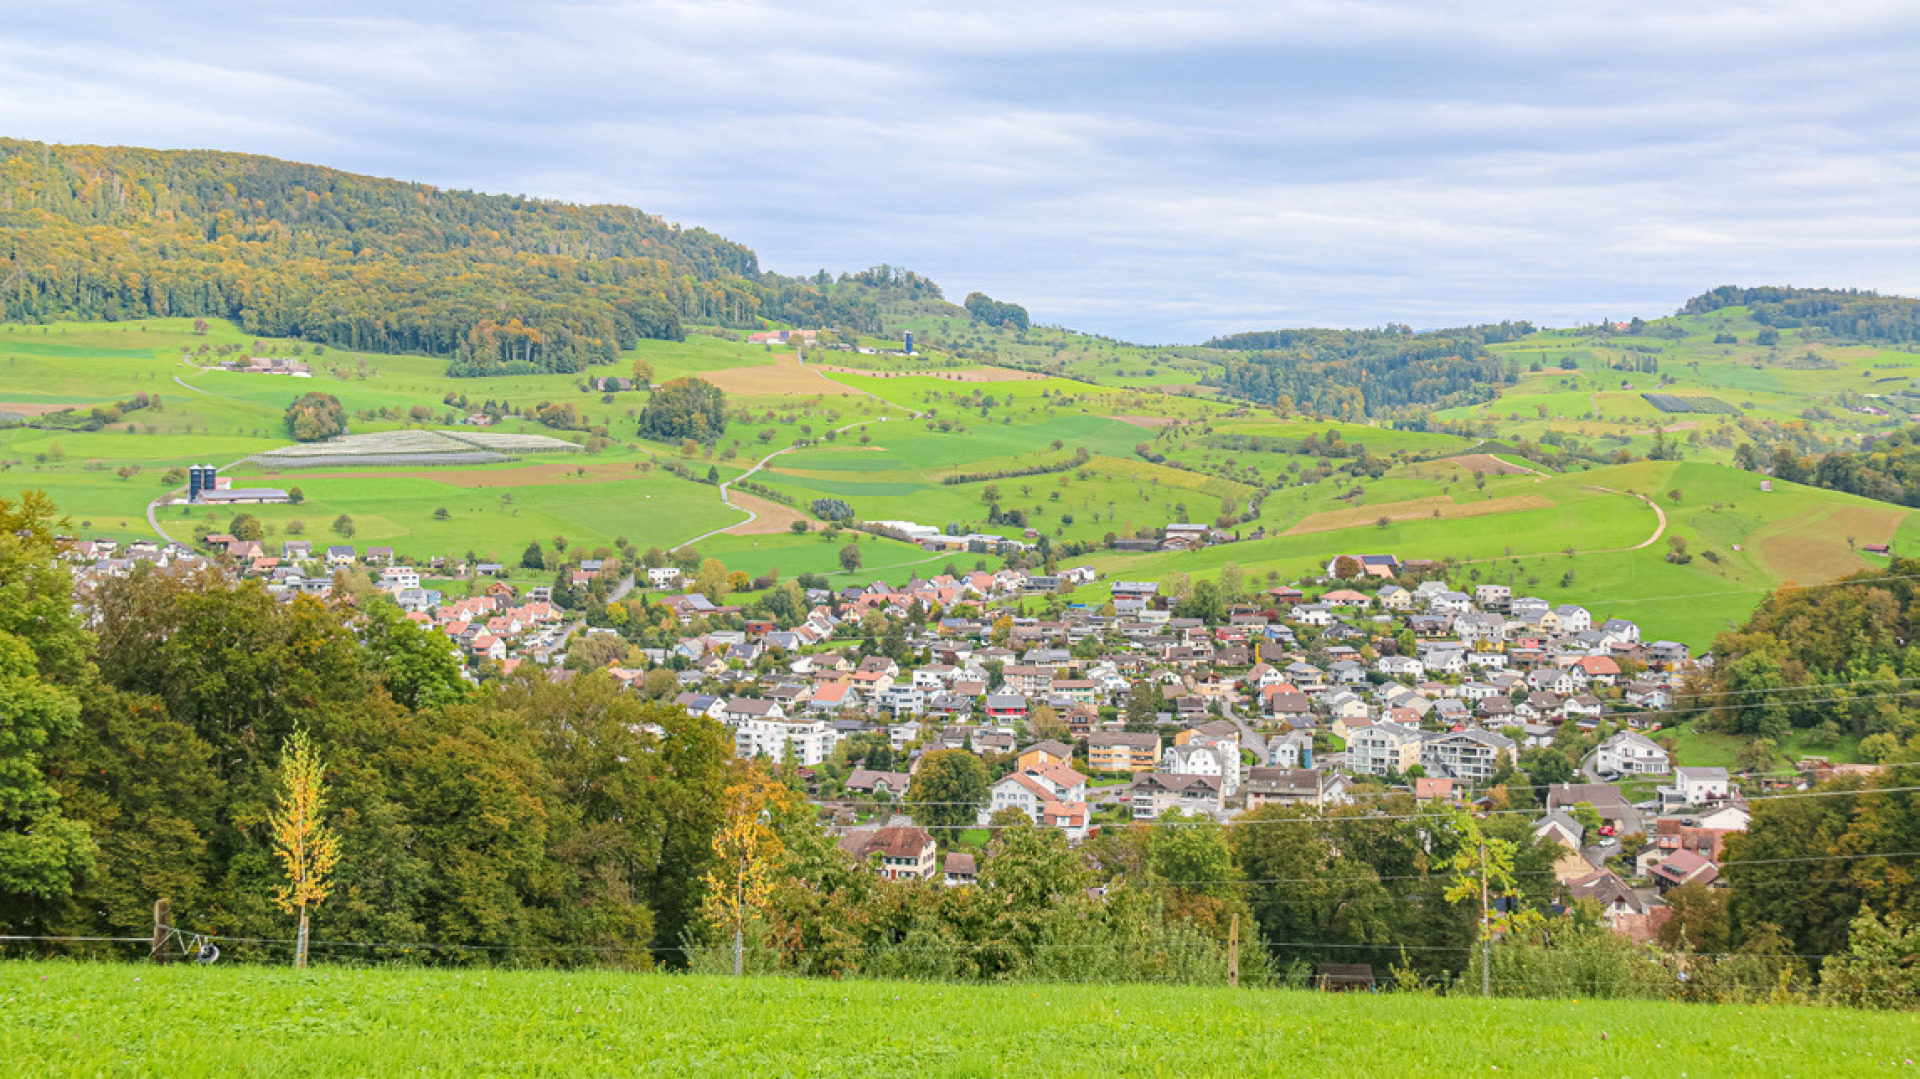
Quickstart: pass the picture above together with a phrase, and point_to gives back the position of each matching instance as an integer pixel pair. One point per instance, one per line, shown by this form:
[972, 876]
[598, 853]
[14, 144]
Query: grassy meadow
[84, 1019]
[885, 433]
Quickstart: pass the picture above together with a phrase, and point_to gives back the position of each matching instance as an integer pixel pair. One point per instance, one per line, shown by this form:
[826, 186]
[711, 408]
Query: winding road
[726, 498]
[1660, 529]
[1659, 514]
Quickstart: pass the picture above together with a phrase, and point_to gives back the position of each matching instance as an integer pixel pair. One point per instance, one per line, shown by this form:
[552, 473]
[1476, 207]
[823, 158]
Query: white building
[1383, 748]
[1203, 759]
[810, 741]
[1696, 786]
[1471, 755]
[1632, 753]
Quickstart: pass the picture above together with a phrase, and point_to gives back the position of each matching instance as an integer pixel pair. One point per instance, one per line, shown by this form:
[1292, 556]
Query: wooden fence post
[162, 932]
[1233, 953]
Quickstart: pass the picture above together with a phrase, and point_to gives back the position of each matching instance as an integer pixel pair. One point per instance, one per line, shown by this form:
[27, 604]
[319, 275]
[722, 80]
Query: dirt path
[769, 517]
[1660, 529]
[726, 495]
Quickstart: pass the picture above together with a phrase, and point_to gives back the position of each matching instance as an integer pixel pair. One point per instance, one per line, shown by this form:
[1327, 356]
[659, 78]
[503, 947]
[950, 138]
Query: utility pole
[1486, 929]
[1233, 952]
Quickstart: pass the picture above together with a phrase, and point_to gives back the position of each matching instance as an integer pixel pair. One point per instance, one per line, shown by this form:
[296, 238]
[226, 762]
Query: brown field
[784, 375]
[1814, 549]
[1414, 510]
[38, 408]
[1149, 422]
[773, 517]
[1488, 464]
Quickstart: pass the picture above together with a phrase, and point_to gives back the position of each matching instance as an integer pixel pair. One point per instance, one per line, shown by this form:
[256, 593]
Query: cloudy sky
[1156, 172]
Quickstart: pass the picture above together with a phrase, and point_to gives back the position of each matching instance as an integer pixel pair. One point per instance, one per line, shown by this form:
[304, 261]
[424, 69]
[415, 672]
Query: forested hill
[1355, 373]
[1846, 314]
[495, 283]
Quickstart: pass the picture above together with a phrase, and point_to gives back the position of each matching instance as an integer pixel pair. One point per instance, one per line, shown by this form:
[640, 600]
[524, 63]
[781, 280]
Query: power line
[1390, 792]
[1439, 876]
[904, 804]
[1379, 818]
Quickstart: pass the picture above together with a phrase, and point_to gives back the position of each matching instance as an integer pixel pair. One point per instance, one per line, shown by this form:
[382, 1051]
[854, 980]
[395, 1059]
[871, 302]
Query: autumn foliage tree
[745, 850]
[315, 416]
[685, 408]
[308, 850]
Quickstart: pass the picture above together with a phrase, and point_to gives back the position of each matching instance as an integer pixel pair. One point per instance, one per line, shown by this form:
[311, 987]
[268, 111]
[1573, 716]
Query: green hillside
[1317, 488]
[1531, 457]
[186, 1021]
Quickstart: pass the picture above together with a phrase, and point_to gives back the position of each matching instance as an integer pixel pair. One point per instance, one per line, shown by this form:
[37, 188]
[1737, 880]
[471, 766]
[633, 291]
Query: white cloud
[1157, 171]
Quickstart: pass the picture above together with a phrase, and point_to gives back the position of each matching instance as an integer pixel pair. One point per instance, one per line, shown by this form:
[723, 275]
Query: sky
[1157, 172]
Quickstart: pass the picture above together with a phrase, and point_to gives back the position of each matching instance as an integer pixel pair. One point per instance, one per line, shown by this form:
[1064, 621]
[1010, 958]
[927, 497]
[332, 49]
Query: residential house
[1631, 753]
[1470, 755]
[1204, 759]
[897, 853]
[1006, 706]
[1156, 793]
[1044, 753]
[960, 869]
[1615, 812]
[1383, 748]
[1573, 619]
[866, 781]
[1604, 889]
[1123, 751]
[1559, 827]
[1296, 786]
[1684, 867]
[1696, 786]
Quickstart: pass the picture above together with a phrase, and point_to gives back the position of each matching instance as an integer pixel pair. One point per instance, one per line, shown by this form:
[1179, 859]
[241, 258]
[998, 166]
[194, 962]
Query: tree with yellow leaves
[745, 848]
[305, 845]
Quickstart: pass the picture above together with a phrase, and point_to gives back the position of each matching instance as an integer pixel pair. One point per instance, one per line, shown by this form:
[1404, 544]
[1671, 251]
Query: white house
[1573, 619]
[1696, 786]
[1472, 755]
[1202, 759]
[1383, 748]
[1632, 753]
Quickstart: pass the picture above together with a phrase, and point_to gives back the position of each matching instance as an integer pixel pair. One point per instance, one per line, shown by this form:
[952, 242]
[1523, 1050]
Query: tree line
[1855, 314]
[1835, 659]
[525, 813]
[1352, 374]
[1887, 469]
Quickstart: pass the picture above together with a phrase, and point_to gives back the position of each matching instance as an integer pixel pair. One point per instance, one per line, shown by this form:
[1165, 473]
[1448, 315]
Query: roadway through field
[1660, 529]
[153, 520]
[727, 499]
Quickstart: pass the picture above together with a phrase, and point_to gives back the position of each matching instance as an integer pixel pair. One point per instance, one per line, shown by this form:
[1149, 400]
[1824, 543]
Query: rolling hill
[1551, 459]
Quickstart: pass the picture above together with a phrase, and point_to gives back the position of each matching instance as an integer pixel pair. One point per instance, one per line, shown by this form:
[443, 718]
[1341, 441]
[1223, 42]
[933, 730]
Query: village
[1319, 694]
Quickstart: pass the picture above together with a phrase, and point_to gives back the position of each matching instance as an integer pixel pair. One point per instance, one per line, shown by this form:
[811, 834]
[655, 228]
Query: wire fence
[1618, 972]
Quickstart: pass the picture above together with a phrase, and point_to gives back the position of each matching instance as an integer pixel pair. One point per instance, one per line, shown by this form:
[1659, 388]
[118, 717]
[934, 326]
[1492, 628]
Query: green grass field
[1509, 528]
[67, 1019]
[1709, 750]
